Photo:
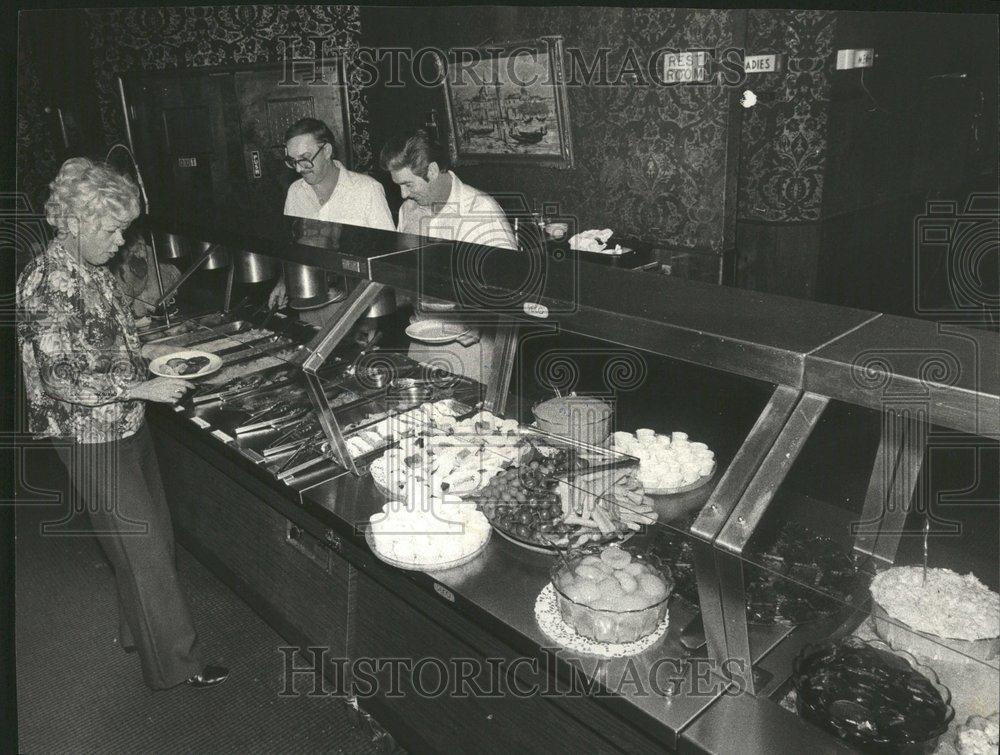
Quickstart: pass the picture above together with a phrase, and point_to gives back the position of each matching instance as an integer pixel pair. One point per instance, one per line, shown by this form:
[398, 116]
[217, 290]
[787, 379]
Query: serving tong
[290, 469]
[296, 433]
[198, 337]
[282, 410]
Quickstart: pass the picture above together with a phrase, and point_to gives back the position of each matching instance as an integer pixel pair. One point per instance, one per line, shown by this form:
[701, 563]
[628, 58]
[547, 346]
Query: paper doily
[550, 621]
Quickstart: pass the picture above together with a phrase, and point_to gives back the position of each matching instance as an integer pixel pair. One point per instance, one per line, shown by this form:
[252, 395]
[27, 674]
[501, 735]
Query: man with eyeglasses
[326, 189]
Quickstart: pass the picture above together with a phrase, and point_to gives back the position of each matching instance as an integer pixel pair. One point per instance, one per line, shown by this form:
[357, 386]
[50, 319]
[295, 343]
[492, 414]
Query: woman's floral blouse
[79, 350]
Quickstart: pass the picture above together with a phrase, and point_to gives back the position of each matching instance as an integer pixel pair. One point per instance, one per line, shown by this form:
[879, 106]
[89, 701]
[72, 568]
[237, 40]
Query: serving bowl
[902, 636]
[579, 418]
[871, 696]
[609, 624]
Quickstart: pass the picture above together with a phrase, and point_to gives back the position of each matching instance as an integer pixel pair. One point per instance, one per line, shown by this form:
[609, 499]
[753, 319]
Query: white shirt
[357, 199]
[468, 215]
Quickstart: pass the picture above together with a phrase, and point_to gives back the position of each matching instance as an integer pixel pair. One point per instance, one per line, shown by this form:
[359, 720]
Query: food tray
[932, 647]
[370, 539]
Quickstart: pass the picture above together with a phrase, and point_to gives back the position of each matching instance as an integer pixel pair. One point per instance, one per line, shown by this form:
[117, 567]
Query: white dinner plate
[158, 365]
[436, 331]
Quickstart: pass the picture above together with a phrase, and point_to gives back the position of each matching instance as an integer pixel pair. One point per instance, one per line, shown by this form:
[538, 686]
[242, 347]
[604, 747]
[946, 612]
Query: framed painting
[508, 104]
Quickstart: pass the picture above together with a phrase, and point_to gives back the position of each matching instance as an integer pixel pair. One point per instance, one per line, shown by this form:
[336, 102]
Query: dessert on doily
[935, 618]
[428, 530]
[611, 595]
[666, 462]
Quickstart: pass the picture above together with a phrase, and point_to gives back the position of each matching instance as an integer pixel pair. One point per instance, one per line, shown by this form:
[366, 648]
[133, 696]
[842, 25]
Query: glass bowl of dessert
[943, 617]
[872, 697]
[612, 594]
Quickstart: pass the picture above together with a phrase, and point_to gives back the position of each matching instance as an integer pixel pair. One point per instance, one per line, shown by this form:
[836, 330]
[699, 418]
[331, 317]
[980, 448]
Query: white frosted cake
[428, 530]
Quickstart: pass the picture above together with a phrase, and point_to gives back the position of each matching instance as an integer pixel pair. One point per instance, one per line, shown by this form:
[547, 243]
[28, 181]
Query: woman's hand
[162, 390]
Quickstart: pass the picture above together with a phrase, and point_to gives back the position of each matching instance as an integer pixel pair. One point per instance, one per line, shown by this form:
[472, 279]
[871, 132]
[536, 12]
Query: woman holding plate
[85, 379]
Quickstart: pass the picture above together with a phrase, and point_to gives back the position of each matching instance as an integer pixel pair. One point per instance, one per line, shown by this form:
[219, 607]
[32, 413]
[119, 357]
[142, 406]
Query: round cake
[429, 530]
[610, 595]
[948, 611]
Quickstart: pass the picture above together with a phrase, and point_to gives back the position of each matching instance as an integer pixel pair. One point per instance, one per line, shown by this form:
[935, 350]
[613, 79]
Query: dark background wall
[813, 192]
[71, 59]
[837, 165]
[650, 161]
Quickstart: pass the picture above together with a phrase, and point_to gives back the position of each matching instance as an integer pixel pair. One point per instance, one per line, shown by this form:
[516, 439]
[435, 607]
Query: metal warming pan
[255, 268]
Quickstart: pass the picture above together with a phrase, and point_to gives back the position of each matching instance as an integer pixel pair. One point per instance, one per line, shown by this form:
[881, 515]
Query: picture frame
[507, 104]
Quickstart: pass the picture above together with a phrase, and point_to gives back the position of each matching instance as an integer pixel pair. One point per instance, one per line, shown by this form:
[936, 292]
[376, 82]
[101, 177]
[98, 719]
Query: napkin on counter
[594, 241]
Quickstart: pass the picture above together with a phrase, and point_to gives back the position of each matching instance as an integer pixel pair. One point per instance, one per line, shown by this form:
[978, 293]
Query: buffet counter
[301, 560]
[269, 480]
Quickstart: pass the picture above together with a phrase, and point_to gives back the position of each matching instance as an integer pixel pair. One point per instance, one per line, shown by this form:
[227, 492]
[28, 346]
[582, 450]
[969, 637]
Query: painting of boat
[525, 134]
[510, 106]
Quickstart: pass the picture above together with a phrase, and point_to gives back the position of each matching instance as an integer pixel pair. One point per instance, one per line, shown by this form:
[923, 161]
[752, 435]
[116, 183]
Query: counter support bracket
[894, 477]
[735, 534]
[714, 578]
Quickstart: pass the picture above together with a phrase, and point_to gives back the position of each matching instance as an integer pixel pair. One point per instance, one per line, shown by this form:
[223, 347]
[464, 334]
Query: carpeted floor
[78, 692]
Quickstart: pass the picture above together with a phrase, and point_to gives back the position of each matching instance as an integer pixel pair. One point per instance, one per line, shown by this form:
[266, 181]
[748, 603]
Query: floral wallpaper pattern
[649, 161]
[784, 137]
[185, 37]
[35, 156]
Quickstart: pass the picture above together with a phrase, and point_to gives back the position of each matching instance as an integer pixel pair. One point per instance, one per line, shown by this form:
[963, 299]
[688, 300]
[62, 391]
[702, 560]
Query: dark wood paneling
[778, 259]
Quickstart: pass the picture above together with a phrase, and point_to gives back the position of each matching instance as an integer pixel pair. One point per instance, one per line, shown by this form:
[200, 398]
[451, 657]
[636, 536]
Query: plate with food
[552, 502]
[668, 464]
[188, 364]
[436, 331]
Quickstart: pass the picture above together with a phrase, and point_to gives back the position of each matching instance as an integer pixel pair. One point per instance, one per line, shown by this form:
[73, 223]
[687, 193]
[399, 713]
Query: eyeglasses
[305, 163]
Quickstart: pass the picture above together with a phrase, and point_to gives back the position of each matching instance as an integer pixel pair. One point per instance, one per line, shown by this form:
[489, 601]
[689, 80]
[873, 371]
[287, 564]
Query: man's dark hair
[315, 128]
[414, 150]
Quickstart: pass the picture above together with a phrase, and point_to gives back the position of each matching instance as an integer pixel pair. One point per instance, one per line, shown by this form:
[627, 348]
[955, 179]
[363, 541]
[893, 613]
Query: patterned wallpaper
[784, 138]
[185, 37]
[650, 161]
[35, 156]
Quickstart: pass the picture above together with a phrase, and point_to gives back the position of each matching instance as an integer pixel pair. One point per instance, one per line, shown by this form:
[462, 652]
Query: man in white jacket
[437, 204]
[326, 190]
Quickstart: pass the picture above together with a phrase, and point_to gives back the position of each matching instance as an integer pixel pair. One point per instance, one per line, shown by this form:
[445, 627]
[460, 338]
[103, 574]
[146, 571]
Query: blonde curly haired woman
[86, 383]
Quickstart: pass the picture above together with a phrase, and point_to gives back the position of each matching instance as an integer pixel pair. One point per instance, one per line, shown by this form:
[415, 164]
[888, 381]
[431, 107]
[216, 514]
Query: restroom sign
[761, 63]
[680, 67]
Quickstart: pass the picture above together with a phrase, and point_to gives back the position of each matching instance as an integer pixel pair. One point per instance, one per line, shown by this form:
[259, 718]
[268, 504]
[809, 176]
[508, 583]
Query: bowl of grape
[611, 594]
